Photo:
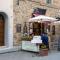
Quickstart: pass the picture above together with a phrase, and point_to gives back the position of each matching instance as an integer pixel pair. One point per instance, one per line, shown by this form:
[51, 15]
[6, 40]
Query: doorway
[38, 28]
[2, 23]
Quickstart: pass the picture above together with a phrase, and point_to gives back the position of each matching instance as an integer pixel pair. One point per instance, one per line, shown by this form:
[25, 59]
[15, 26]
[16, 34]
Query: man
[44, 38]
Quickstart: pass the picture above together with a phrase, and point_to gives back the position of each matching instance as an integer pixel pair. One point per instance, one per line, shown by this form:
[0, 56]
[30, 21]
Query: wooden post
[41, 26]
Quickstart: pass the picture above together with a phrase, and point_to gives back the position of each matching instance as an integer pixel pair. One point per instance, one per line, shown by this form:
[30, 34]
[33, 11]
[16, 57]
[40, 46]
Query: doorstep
[9, 49]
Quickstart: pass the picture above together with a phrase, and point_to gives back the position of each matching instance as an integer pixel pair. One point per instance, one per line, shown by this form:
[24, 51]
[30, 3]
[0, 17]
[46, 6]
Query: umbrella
[42, 18]
[57, 22]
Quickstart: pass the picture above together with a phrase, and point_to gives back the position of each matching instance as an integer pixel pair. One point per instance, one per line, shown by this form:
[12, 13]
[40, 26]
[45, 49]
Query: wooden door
[1, 31]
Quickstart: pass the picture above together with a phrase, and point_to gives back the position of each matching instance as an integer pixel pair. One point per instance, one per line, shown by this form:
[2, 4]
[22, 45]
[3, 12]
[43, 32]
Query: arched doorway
[2, 26]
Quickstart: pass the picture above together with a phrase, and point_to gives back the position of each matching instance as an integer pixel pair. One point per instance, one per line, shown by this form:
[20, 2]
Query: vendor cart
[27, 45]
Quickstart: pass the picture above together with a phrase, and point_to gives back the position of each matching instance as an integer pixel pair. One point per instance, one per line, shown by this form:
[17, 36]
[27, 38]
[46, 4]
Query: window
[18, 28]
[34, 0]
[25, 28]
[48, 1]
[17, 2]
[38, 11]
[53, 30]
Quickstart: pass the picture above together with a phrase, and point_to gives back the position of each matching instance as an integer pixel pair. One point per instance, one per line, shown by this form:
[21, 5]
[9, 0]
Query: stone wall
[23, 12]
[56, 3]
[54, 40]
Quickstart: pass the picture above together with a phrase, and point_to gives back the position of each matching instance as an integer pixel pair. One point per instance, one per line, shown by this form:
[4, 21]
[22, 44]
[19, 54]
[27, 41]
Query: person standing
[44, 39]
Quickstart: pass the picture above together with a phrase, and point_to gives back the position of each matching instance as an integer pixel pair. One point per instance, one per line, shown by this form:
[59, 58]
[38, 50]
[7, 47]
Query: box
[28, 46]
[43, 52]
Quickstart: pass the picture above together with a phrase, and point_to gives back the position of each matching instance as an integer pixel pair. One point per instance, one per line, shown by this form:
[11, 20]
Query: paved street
[23, 55]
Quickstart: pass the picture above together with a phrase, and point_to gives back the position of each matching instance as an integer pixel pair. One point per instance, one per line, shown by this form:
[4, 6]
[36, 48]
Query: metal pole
[41, 26]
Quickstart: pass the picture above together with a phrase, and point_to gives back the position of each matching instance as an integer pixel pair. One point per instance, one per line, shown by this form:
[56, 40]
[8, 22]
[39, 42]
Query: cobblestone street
[23, 55]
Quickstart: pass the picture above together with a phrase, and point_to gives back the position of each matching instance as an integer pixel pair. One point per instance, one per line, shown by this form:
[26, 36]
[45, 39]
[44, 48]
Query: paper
[36, 39]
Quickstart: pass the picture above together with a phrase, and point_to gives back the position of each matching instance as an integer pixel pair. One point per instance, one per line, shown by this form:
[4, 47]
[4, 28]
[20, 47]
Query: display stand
[28, 46]
[43, 19]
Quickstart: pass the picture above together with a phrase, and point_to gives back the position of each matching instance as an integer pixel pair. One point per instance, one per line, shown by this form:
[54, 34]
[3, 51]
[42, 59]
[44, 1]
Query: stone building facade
[6, 25]
[23, 10]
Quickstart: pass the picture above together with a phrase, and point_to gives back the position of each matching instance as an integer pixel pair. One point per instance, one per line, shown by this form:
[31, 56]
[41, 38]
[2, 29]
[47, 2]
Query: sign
[36, 39]
[27, 45]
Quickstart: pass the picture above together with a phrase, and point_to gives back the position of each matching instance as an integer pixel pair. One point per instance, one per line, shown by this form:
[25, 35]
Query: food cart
[27, 45]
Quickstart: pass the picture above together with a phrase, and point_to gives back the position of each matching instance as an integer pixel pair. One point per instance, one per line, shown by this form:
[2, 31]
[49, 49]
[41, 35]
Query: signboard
[36, 39]
[27, 45]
